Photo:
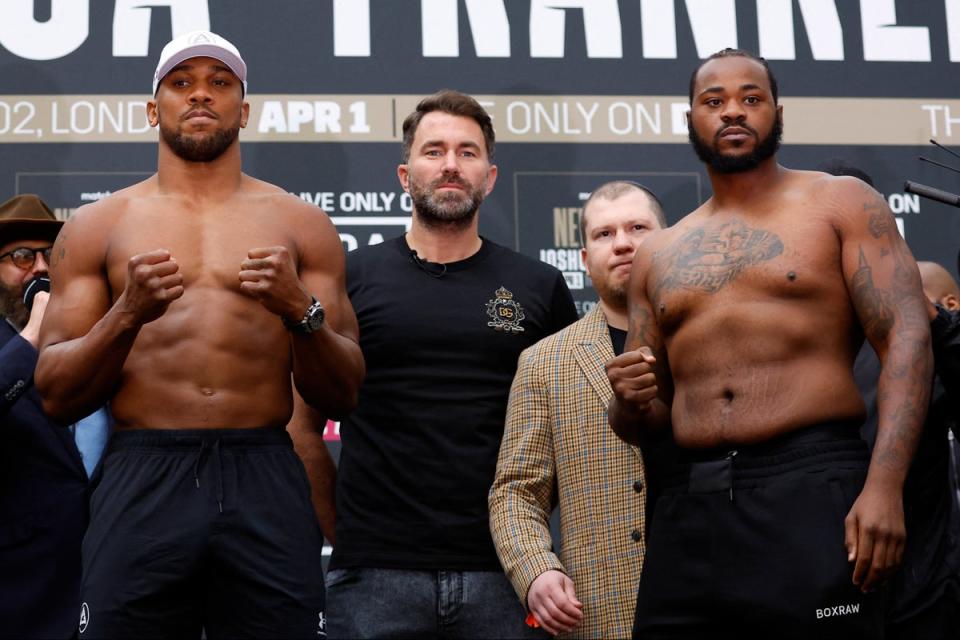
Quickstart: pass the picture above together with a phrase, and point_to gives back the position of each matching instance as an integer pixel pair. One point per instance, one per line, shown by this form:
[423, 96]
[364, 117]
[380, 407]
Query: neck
[616, 315]
[735, 188]
[202, 180]
[443, 244]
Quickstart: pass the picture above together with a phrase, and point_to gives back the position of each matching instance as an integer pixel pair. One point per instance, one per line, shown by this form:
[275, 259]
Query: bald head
[939, 285]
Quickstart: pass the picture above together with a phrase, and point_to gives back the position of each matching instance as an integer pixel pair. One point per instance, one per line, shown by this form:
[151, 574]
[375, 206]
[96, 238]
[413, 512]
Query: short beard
[12, 307]
[446, 211]
[721, 163]
[201, 149]
[613, 295]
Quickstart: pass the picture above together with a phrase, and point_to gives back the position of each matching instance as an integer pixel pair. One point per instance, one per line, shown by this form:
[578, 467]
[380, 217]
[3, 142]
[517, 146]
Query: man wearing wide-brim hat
[43, 478]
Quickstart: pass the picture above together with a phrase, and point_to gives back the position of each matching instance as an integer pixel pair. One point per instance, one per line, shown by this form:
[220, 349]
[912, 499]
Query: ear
[244, 114]
[689, 121]
[491, 178]
[950, 302]
[780, 112]
[583, 260]
[403, 173]
[153, 114]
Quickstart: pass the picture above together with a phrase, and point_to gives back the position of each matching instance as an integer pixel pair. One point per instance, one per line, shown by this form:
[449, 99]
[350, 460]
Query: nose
[199, 93]
[451, 163]
[40, 266]
[622, 243]
[733, 111]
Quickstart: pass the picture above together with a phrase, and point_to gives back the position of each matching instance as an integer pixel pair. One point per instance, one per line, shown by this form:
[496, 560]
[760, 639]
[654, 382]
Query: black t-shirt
[618, 338]
[441, 347]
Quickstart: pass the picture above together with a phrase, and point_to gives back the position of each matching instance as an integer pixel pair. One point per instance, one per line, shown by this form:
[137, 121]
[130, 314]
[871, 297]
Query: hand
[874, 536]
[552, 600]
[270, 276]
[633, 380]
[31, 331]
[153, 282]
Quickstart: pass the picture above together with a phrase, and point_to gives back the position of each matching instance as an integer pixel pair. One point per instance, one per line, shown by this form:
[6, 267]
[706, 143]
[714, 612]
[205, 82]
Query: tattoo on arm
[872, 304]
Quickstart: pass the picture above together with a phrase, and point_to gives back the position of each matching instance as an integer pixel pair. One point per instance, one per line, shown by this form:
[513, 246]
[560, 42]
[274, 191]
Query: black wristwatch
[312, 319]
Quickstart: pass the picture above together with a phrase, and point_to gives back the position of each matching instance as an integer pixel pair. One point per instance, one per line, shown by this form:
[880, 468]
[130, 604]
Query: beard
[614, 293]
[709, 153]
[448, 210]
[12, 307]
[206, 148]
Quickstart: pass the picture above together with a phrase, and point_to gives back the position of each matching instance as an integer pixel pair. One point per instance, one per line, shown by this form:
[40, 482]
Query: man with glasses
[44, 467]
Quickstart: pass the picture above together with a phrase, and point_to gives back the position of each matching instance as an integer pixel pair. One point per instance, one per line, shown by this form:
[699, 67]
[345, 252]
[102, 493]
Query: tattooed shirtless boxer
[744, 322]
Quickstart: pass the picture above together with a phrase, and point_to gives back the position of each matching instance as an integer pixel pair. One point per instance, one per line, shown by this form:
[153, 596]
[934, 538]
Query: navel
[791, 275]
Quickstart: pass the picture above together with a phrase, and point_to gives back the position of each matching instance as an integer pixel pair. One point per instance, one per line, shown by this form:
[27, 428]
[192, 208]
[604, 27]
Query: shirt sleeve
[18, 359]
[524, 487]
[563, 311]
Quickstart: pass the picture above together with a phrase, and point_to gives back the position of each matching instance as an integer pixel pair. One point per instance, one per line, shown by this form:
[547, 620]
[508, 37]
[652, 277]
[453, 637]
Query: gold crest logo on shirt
[505, 313]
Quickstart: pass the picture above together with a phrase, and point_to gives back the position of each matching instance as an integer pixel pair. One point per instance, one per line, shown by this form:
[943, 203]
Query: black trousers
[749, 543]
[202, 530]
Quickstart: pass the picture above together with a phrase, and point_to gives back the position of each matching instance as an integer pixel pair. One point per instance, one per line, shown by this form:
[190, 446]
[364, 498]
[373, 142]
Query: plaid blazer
[558, 448]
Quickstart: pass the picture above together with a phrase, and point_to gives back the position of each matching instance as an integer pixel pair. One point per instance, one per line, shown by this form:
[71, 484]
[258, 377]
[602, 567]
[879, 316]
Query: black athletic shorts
[202, 529]
[749, 543]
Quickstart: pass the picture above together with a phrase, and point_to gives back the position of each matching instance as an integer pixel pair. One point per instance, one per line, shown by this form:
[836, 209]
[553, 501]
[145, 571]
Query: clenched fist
[153, 282]
[269, 275]
[633, 379]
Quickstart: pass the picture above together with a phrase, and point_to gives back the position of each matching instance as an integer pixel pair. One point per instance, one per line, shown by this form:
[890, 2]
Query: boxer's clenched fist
[270, 275]
[153, 282]
[633, 379]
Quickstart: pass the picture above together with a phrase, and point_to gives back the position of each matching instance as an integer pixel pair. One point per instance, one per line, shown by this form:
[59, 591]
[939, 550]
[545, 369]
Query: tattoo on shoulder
[59, 248]
[707, 259]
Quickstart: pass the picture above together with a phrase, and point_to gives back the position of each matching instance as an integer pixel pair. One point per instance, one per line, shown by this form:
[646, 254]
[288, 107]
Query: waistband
[722, 468]
[191, 439]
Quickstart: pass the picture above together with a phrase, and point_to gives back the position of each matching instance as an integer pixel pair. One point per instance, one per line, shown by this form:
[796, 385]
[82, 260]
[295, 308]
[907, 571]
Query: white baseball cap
[200, 43]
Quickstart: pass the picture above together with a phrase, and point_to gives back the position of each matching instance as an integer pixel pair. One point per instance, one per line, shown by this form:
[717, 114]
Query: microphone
[931, 193]
[35, 286]
[428, 267]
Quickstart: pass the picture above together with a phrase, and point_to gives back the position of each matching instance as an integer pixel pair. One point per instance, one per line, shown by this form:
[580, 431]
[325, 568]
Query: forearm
[328, 370]
[903, 396]
[638, 427]
[76, 377]
[322, 475]
[520, 528]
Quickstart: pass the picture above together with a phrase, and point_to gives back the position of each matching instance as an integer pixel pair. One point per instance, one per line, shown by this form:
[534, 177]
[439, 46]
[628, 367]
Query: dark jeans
[393, 603]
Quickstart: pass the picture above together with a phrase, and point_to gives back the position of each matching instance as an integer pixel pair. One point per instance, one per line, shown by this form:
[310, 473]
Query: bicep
[79, 292]
[322, 271]
[880, 272]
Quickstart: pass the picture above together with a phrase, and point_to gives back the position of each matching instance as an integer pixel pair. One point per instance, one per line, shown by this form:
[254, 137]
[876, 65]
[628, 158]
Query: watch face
[314, 319]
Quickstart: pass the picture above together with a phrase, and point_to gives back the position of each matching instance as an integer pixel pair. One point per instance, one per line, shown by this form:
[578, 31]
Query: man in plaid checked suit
[558, 449]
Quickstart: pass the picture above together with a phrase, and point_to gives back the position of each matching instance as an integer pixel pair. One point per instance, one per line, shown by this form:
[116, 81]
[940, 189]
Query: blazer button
[636, 535]
[638, 486]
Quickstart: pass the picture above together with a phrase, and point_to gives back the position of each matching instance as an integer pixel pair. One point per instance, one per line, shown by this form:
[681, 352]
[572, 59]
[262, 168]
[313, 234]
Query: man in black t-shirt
[443, 314]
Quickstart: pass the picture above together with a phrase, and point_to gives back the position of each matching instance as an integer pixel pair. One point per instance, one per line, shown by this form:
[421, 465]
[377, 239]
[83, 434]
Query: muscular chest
[738, 261]
[208, 246]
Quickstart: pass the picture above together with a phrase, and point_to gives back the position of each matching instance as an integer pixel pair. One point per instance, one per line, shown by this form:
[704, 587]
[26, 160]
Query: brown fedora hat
[27, 217]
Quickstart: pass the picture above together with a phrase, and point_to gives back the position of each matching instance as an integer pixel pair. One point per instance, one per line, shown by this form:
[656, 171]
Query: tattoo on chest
[708, 258]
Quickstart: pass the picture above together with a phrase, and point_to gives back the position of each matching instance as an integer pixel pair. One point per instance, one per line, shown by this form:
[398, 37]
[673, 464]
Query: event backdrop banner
[581, 91]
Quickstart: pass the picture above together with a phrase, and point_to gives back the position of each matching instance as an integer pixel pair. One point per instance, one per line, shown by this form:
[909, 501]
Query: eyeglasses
[25, 257]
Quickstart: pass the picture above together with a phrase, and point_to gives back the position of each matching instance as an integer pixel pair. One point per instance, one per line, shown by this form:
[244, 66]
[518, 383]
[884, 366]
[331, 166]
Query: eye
[220, 82]
[751, 100]
[469, 154]
[639, 227]
[433, 153]
[180, 82]
[712, 102]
